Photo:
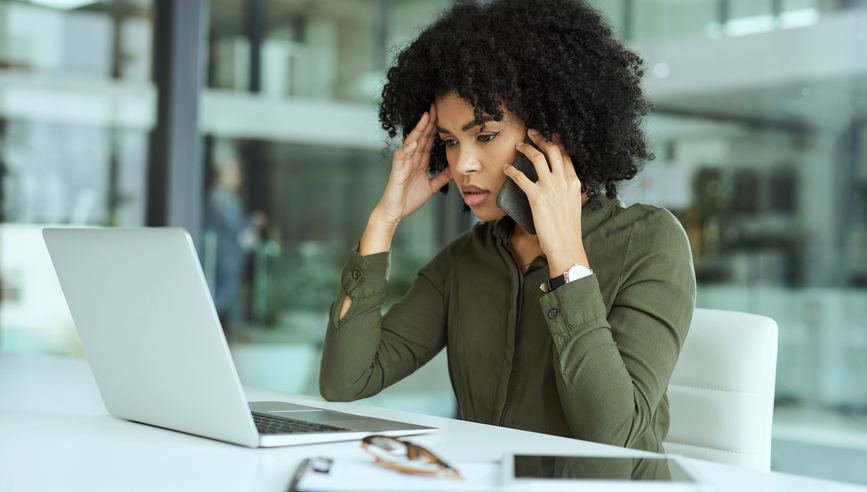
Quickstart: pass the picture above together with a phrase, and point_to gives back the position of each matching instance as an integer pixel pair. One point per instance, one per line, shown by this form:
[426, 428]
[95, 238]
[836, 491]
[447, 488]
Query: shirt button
[356, 274]
[552, 314]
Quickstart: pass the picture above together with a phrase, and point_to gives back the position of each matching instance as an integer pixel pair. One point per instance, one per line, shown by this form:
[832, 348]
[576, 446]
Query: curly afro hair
[555, 65]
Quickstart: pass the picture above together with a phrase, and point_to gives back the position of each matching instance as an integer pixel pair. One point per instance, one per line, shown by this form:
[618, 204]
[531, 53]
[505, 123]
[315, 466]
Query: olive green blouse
[591, 360]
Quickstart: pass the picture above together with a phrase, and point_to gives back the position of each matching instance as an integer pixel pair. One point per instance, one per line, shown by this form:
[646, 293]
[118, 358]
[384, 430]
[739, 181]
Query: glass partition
[77, 105]
[659, 19]
[760, 132]
[759, 149]
[313, 164]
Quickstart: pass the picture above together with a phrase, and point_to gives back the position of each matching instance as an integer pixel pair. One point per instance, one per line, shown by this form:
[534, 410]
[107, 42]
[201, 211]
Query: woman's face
[478, 153]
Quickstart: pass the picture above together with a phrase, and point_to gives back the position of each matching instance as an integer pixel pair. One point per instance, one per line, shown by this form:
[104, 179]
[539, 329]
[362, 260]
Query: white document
[363, 476]
[345, 475]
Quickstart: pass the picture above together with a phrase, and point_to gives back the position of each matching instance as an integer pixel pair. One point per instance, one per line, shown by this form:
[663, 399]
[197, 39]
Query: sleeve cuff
[364, 276]
[576, 305]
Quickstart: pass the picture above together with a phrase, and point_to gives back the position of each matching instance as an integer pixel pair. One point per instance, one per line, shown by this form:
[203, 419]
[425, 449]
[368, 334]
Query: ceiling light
[62, 4]
[745, 26]
[799, 18]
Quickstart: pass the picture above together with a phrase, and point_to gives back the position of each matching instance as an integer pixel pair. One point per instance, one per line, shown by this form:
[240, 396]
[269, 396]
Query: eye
[450, 142]
[487, 137]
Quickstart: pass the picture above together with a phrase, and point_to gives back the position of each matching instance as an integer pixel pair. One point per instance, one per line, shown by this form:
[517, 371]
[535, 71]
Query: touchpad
[313, 416]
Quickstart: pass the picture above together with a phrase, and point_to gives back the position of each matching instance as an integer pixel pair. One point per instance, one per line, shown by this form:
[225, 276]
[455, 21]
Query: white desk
[55, 434]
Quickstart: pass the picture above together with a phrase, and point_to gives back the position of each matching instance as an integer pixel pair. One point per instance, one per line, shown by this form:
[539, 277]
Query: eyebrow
[470, 124]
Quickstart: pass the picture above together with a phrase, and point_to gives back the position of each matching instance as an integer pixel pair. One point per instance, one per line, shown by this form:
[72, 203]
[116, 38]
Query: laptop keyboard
[267, 424]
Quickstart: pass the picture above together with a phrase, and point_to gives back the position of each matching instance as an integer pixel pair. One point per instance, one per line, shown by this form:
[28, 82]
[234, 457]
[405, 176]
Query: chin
[486, 214]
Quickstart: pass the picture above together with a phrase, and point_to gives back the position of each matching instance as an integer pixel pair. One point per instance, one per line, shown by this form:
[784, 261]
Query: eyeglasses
[406, 457]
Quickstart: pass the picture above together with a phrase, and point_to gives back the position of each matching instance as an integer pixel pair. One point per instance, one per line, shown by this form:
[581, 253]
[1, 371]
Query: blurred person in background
[237, 233]
[572, 331]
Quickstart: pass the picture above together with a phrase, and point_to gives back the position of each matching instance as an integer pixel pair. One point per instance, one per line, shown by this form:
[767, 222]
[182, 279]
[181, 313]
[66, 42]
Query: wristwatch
[575, 272]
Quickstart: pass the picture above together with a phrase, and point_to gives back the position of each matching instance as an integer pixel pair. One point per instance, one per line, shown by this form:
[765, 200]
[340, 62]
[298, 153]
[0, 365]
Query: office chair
[721, 393]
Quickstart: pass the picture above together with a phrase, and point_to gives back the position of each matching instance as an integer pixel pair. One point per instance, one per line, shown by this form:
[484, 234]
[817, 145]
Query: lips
[474, 196]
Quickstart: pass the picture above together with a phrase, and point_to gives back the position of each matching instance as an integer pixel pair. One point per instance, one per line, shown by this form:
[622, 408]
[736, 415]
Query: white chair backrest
[721, 393]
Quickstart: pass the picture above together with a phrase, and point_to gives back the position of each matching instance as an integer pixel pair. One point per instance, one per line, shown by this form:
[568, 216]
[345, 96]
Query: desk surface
[55, 434]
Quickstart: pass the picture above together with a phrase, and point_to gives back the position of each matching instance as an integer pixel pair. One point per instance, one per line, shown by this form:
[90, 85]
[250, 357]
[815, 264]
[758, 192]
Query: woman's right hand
[408, 189]
[408, 185]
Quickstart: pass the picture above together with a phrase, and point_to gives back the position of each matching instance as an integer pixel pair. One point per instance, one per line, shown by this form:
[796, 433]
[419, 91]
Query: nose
[467, 162]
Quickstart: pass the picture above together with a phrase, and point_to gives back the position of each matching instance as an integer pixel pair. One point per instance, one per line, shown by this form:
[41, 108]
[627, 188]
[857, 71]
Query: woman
[589, 360]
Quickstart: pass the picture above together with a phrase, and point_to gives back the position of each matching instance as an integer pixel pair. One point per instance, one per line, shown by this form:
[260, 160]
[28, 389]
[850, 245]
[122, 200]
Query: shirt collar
[592, 215]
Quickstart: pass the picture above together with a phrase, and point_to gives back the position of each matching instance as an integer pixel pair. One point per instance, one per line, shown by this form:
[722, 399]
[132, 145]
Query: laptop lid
[150, 331]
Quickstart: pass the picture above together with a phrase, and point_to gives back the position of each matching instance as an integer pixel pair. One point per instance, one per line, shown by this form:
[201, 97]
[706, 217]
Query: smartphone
[512, 199]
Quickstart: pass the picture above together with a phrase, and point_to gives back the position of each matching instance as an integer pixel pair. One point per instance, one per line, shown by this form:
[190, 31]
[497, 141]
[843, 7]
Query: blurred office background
[253, 123]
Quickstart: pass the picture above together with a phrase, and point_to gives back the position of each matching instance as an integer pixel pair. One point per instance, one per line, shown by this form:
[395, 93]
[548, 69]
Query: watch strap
[555, 282]
[560, 280]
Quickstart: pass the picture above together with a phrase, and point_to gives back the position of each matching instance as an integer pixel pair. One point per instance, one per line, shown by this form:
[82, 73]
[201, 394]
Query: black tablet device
[602, 473]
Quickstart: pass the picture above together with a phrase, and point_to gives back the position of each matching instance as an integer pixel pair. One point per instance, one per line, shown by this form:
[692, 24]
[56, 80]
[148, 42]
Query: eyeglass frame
[413, 452]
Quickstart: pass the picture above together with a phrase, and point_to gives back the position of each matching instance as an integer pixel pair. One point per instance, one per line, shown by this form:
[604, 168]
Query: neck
[521, 235]
[524, 245]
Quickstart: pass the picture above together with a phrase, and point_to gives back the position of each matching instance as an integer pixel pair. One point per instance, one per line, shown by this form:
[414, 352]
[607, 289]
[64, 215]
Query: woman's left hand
[556, 200]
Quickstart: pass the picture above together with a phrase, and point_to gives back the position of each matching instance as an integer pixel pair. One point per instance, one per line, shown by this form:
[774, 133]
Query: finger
[538, 160]
[424, 131]
[551, 150]
[568, 166]
[433, 111]
[404, 152]
[417, 130]
[555, 137]
[430, 131]
[441, 179]
[520, 179]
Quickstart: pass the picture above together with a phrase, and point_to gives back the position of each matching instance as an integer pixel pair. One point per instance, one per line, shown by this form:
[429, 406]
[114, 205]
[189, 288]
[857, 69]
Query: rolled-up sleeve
[365, 352]
[365, 276]
[613, 367]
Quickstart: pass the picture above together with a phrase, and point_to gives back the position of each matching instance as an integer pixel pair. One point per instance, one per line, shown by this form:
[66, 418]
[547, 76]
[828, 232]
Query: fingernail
[532, 132]
[519, 144]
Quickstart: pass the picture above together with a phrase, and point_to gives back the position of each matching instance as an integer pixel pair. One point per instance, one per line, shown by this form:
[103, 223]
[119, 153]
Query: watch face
[576, 272]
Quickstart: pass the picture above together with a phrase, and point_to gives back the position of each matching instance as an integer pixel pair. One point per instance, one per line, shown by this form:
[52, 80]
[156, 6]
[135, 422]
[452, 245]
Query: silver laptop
[145, 317]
